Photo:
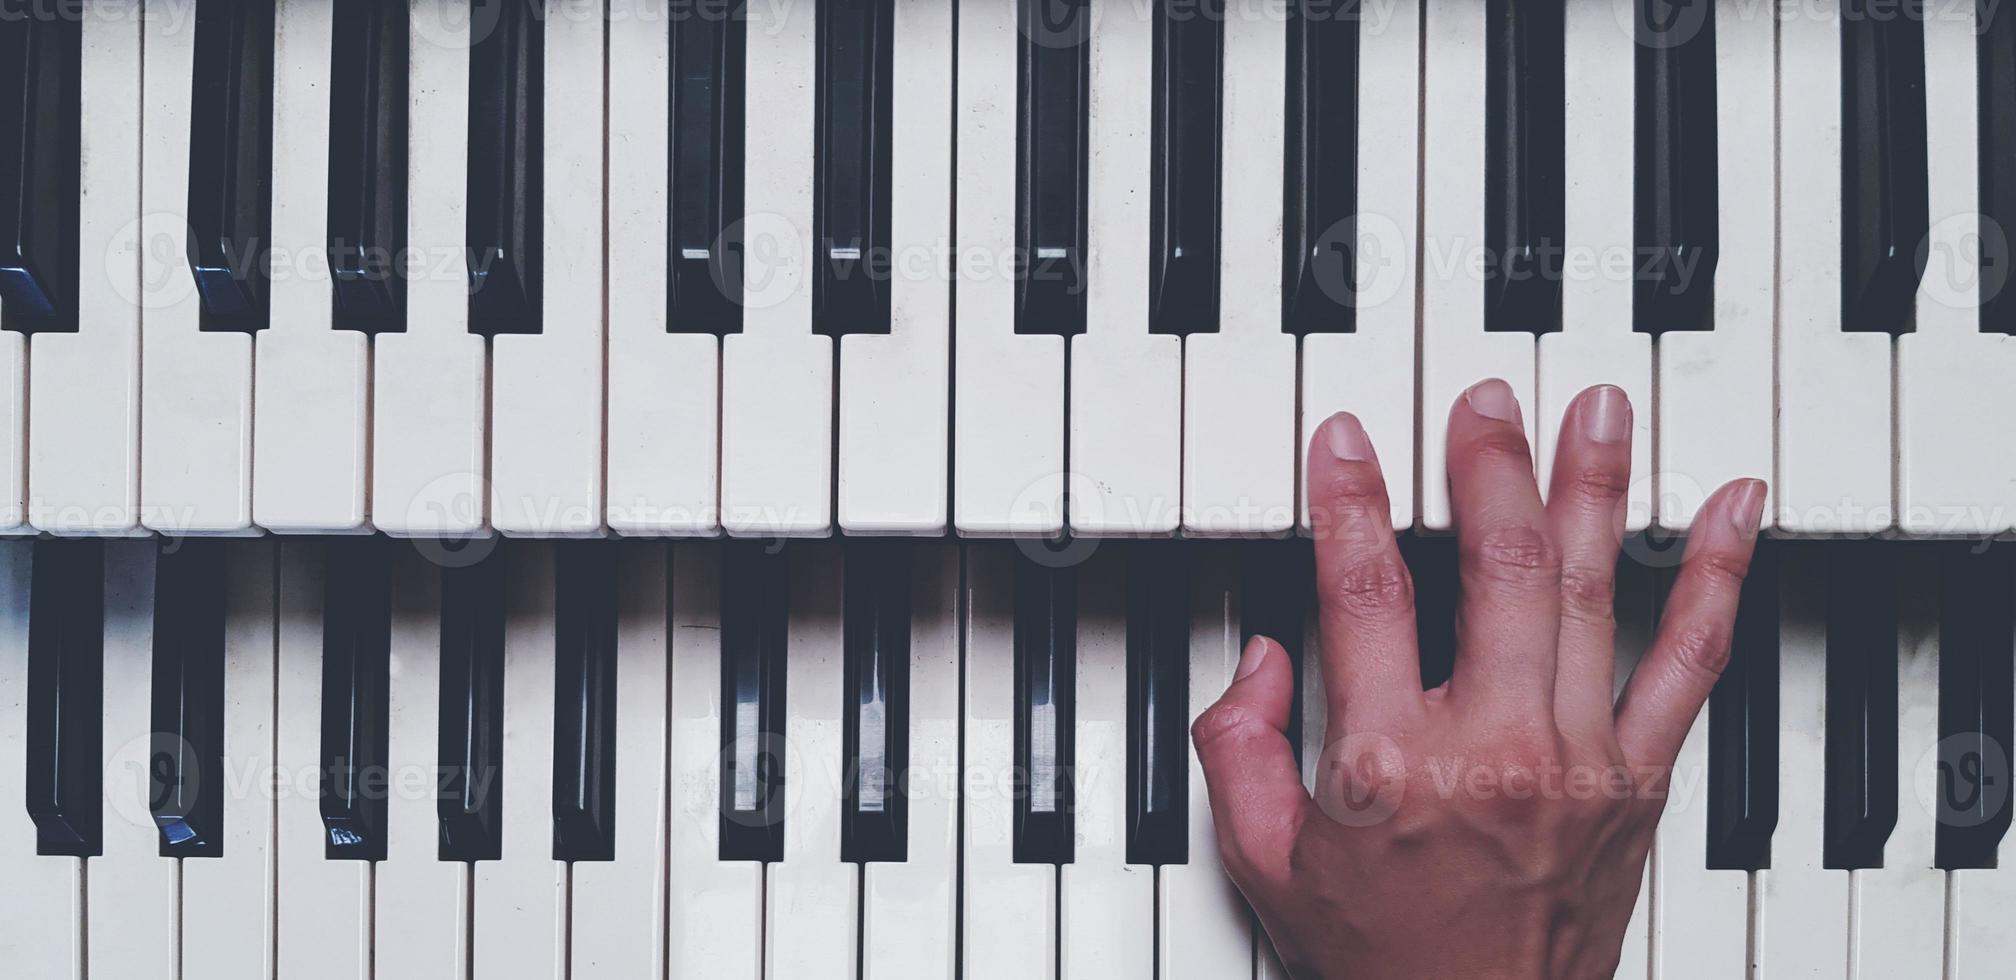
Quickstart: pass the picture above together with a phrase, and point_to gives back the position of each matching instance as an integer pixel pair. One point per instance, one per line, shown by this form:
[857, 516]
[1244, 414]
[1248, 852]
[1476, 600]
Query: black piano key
[1319, 270]
[1432, 563]
[231, 161]
[65, 697]
[876, 732]
[1274, 579]
[704, 293]
[187, 761]
[1861, 804]
[584, 704]
[471, 748]
[1046, 653]
[1158, 704]
[1183, 222]
[356, 710]
[1525, 141]
[1050, 180]
[1977, 645]
[1884, 207]
[506, 184]
[1995, 86]
[1675, 221]
[41, 52]
[851, 210]
[367, 164]
[1743, 728]
[755, 618]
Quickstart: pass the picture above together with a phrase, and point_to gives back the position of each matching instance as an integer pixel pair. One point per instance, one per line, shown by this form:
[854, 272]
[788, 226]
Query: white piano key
[1008, 911]
[810, 897]
[13, 432]
[521, 900]
[1315, 721]
[228, 900]
[1596, 344]
[429, 387]
[1370, 372]
[1834, 435]
[894, 397]
[777, 374]
[1126, 384]
[131, 891]
[1899, 917]
[1106, 906]
[420, 922]
[84, 387]
[715, 906]
[910, 913]
[618, 906]
[1950, 375]
[663, 414]
[1456, 351]
[310, 401]
[1700, 917]
[1203, 927]
[1715, 387]
[546, 388]
[1008, 422]
[1802, 906]
[324, 907]
[1239, 383]
[196, 410]
[42, 933]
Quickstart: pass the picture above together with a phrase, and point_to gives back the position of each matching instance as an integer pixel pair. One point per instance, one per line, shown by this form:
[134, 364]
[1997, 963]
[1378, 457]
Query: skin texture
[1496, 826]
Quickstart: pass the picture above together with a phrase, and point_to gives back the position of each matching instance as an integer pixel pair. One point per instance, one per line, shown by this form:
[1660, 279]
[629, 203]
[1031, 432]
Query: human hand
[1497, 825]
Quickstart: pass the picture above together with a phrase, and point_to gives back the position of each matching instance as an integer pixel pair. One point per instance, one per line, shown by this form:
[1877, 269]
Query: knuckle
[1587, 589]
[1516, 552]
[1376, 586]
[1702, 650]
[1348, 485]
[1219, 722]
[1501, 440]
[1599, 483]
[1722, 570]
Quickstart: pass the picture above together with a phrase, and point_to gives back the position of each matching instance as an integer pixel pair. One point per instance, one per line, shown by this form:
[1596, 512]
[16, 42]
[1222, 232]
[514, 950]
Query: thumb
[1257, 799]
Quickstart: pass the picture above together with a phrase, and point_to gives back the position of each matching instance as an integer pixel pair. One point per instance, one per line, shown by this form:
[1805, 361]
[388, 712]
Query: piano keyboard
[582, 267]
[468, 272]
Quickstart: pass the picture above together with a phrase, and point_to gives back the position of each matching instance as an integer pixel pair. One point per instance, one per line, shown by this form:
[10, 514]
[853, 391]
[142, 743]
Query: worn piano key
[1050, 178]
[471, 749]
[230, 161]
[64, 701]
[1676, 181]
[1884, 212]
[585, 770]
[1158, 704]
[1742, 753]
[1183, 225]
[1319, 248]
[1524, 192]
[704, 287]
[1861, 803]
[876, 727]
[187, 761]
[367, 164]
[506, 180]
[39, 168]
[1977, 642]
[851, 211]
[1995, 81]
[755, 614]
[356, 665]
[1046, 638]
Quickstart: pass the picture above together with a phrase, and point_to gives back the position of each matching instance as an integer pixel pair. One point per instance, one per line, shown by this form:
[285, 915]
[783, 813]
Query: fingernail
[1347, 438]
[1606, 415]
[1250, 660]
[1748, 511]
[1493, 399]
